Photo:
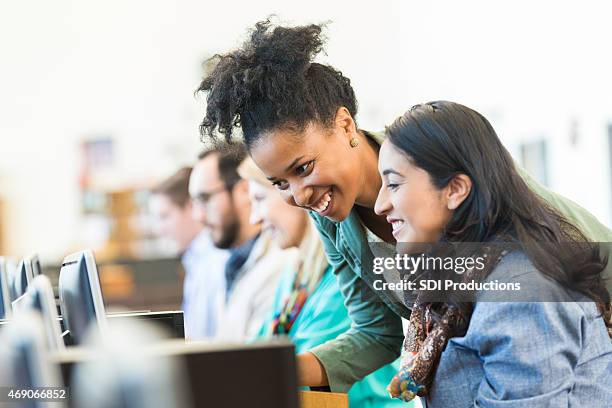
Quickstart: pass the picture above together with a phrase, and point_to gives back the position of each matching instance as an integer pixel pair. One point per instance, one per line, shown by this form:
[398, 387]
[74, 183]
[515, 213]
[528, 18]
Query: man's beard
[229, 234]
[229, 231]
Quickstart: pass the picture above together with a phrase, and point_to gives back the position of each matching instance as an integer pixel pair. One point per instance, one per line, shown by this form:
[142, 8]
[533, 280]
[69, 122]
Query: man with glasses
[222, 204]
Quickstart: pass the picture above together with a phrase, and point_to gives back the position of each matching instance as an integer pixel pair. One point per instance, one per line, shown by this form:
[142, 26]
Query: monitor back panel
[254, 377]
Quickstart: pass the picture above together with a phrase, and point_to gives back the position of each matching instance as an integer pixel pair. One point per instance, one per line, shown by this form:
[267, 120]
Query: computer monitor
[39, 297]
[34, 263]
[11, 273]
[23, 277]
[80, 295]
[212, 369]
[5, 292]
[24, 361]
[124, 374]
[19, 304]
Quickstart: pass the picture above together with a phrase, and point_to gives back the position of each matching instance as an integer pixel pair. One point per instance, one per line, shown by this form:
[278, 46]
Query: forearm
[351, 357]
[311, 372]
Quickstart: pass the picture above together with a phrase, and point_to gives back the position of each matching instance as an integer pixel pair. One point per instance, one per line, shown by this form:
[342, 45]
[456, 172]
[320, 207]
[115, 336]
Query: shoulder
[378, 136]
[539, 297]
[277, 260]
[267, 261]
[513, 267]
[517, 267]
[202, 245]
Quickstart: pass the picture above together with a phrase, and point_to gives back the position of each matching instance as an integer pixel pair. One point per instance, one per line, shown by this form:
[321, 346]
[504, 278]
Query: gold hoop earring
[354, 142]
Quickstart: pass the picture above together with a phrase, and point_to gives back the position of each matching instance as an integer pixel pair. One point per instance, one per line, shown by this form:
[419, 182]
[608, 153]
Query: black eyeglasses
[203, 198]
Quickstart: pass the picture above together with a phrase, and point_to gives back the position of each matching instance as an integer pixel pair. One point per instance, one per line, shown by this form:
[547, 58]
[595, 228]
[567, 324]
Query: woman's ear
[345, 121]
[458, 190]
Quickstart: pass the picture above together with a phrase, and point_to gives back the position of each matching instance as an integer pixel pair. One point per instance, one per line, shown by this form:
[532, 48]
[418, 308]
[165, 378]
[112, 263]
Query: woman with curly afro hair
[298, 120]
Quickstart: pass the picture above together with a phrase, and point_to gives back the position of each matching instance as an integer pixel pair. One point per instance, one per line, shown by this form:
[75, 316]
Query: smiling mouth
[323, 204]
[397, 224]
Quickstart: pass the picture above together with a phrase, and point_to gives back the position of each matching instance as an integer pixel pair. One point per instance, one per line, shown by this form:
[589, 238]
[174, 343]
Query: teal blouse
[323, 317]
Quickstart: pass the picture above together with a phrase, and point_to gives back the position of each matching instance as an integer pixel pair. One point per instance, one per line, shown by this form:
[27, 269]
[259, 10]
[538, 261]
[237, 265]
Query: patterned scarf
[426, 336]
[311, 266]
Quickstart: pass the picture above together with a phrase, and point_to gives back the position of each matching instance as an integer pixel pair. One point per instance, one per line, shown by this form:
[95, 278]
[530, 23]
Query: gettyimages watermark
[483, 272]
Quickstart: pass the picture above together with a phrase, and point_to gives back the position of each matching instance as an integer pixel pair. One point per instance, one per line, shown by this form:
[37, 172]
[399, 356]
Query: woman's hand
[402, 386]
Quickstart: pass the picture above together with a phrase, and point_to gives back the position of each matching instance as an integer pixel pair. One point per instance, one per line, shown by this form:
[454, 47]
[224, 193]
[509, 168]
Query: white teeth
[397, 224]
[323, 203]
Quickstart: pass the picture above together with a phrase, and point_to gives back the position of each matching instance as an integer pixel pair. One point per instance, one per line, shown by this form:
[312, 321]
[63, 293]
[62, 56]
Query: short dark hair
[175, 187]
[271, 82]
[230, 155]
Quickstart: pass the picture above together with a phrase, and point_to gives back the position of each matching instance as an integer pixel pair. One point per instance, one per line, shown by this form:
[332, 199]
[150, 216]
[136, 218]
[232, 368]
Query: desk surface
[313, 399]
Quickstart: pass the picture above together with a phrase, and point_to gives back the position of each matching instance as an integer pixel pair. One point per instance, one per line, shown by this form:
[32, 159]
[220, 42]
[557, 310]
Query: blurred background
[97, 105]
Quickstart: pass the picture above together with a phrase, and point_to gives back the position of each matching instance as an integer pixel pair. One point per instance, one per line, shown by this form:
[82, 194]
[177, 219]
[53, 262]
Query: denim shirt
[527, 354]
[376, 336]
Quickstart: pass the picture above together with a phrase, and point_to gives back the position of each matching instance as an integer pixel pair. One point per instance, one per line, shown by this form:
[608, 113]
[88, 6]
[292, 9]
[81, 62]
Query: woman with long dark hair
[448, 179]
[297, 119]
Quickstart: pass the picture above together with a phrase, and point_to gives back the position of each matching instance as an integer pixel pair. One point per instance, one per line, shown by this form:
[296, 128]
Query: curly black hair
[271, 83]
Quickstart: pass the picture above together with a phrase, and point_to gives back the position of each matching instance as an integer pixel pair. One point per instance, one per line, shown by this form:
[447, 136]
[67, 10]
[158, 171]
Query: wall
[76, 69]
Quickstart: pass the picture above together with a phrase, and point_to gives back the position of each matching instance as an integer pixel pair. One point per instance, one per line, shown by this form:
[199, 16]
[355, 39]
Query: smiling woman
[298, 121]
[321, 177]
[304, 114]
[448, 178]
